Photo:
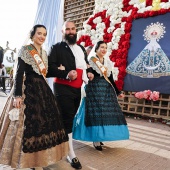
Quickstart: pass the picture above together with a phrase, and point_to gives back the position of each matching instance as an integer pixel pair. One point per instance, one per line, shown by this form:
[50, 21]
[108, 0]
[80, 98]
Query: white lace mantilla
[107, 63]
[28, 59]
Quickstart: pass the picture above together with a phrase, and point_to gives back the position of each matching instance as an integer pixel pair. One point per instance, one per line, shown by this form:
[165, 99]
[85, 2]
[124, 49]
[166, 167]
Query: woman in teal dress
[99, 117]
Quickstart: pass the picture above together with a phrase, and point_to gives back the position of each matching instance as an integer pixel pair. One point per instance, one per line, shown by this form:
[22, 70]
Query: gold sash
[40, 64]
[102, 68]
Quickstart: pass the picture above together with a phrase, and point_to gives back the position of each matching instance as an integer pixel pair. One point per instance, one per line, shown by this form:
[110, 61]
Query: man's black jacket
[62, 54]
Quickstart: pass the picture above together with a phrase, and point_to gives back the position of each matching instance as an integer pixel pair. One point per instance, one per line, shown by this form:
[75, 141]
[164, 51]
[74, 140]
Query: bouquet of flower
[148, 95]
[154, 96]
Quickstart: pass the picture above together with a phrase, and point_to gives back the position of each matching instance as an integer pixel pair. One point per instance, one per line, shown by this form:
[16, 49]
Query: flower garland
[112, 22]
[148, 95]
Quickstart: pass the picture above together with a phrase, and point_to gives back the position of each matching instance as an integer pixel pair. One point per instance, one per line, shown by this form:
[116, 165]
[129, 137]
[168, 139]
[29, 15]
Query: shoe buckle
[75, 160]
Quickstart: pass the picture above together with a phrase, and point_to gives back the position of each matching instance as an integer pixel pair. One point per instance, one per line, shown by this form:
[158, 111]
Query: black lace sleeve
[18, 81]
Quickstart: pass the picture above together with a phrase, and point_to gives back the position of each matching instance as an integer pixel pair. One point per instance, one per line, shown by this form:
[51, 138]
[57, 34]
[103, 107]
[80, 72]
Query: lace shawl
[28, 59]
[107, 64]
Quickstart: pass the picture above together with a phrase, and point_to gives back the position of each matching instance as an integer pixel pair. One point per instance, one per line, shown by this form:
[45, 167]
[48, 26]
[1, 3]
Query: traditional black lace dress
[100, 117]
[38, 138]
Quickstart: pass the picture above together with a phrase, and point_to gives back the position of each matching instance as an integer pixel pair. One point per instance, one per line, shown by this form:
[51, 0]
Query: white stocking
[96, 143]
[71, 153]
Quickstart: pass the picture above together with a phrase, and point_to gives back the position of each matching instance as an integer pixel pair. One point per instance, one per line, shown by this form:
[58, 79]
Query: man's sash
[41, 66]
[77, 83]
[102, 69]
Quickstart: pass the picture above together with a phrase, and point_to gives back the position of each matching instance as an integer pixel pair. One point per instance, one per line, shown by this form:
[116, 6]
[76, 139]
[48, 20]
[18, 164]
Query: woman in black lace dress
[100, 110]
[37, 138]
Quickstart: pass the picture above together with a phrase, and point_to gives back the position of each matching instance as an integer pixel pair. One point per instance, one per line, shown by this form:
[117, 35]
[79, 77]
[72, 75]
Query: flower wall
[112, 21]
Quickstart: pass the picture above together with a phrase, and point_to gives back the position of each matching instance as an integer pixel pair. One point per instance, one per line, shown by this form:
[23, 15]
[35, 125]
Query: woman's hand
[90, 76]
[88, 66]
[122, 95]
[61, 67]
[17, 102]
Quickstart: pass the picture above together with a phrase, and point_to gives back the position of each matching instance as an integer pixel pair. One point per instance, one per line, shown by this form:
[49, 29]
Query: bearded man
[67, 62]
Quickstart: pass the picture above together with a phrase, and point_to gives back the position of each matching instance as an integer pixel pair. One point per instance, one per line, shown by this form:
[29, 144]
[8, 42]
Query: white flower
[110, 29]
[97, 20]
[132, 2]
[165, 5]
[137, 6]
[100, 26]
[87, 27]
[113, 22]
[82, 43]
[117, 39]
[93, 36]
[109, 11]
[79, 34]
[94, 41]
[98, 9]
[120, 5]
[115, 46]
[88, 33]
[109, 45]
[115, 72]
[105, 5]
[93, 32]
[99, 36]
[85, 22]
[117, 32]
[127, 14]
[109, 51]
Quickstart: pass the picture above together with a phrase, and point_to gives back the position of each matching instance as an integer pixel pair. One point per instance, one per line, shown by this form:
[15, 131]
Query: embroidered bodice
[107, 64]
[97, 72]
[27, 58]
[26, 66]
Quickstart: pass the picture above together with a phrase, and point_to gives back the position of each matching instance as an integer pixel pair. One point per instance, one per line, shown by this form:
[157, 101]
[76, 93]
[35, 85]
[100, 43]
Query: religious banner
[148, 62]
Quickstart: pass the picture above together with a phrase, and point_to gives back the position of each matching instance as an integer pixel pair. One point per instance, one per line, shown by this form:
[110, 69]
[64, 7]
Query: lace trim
[35, 144]
[27, 58]
[107, 63]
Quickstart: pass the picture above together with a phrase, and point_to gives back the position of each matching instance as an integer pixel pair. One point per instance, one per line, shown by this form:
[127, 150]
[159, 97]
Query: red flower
[126, 44]
[86, 39]
[122, 69]
[119, 53]
[146, 14]
[162, 11]
[128, 27]
[125, 50]
[107, 21]
[124, 19]
[119, 84]
[151, 13]
[107, 37]
[127, 36]
[118, 62]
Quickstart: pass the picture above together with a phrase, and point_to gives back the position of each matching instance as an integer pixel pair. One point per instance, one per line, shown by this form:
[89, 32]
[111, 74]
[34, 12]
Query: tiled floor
[147, 149]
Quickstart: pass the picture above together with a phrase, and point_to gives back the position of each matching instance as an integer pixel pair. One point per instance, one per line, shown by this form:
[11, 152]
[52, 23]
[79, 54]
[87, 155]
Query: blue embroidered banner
[148, 62]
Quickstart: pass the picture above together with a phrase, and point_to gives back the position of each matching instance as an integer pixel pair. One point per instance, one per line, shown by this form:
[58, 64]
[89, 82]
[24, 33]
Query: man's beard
[71, 39]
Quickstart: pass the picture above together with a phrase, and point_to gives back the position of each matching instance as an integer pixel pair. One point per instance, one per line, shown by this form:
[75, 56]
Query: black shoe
[99, 148]
[101, 143]
[76, 163]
